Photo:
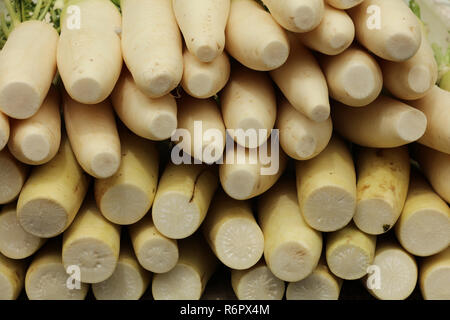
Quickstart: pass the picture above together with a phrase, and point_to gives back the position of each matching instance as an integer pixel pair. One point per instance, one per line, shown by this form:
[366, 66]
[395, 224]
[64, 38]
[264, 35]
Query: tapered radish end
[319, 113]
[206, 53]
[275, 54]
[105, 164]
[35, 147]
[19, 100]
[4, 137]
[401, 47]
[201, 86]
[306, 146]
[163, 125]
[359, 81]
[158, 84]
[305, 18]
[420, 79]
[87, 91]
[412, 125]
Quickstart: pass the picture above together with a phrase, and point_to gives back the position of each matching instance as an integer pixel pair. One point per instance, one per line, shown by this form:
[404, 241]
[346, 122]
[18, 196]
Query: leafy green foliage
[415, 8]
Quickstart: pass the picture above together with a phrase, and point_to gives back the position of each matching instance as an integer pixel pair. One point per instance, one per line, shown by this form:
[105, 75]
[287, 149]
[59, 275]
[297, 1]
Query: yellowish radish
[12, 276]
[343, 4]
[4, 130]
[12, 176]
[435, 275]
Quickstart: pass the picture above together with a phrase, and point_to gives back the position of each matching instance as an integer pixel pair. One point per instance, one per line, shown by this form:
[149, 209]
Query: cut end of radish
[374, 216]
[254, 125]
[436, 285]
[401, 47]
[275, 54]
[163, 125]
[240, 184]
[43, 218]
[420, 79]
[201, 86]
[19, 100]
[124, 204]
[306, 147]
[320, 113]
[175, 215]
[87, 91]
[305, 18]
[260, 284]
[158, 255]
[359, 81]
[158, 84]
[104, 165]
[35, 147]
[412, 125]
[207, 53]
[348, 262]
[181, 283]
[317, 286]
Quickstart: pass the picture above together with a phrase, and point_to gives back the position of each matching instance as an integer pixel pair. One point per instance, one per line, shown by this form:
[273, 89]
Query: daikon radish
[92, 243]
[247, 173]
[48, 279]
[424, 226]
[435, 276]
[4, 130]
[188, 279]
[303, 83]
[343, 4]
[127, 196]
[182, 200]
[321, 284]
[154, 251]
[384, 123]
[413, 78]
[93, 136]
[326, 187]
[383, 179]
[203, 23]
[291, 248]
[12, 176]
[36, 140]
[232, 232]
[249, 106]
[152, 45]
[297, 15]
[395, 272]
[334, 34]
[128, 282]
[300, 137]
[15, 242]
[257, 283]
[436, 106]
[89, 55]
[254, 38]
[387, 28]
[436, 167]
[350, 252]
[12, 275]
[204, 79]
[27, 68]
[204, 123]
[52, 195]
[354, 77]
[154, 119]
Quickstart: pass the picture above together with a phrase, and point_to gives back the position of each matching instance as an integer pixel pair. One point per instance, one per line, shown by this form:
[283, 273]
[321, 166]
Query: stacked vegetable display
[90, 199]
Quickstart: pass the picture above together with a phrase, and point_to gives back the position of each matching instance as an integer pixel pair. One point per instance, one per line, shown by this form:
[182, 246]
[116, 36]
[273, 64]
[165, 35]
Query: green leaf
[415, 8]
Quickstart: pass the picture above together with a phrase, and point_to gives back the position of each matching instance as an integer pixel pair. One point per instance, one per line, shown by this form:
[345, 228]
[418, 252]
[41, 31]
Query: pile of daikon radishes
[292, 134]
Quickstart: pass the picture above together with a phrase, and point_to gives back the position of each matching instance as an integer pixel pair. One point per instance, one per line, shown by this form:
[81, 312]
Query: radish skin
[152, 45]
[232, 232]
[52, 195]
[204, 79]
[384, 123]
[300, 137]
[248, 103]
[127, 196]
[4, 130]
[153, 119]
[326, 187]
[303, 84]
[343, 4]
[387, 28]
[334, 34]
[36, 140]
[154, 251]
[354, 77]
[47, 279]
[254, 38]
[424, 225]
[89, 55]
[383, 180]
[93, 136]
[436, 167]
[297, 15]
[12, 276]
[291, 247]
[12, 176]
[203, 23]
[436, 106]
[27, 68]
[15, 242]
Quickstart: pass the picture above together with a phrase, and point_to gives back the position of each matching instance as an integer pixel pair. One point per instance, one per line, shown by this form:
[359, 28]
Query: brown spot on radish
[386, 227]
[365, 187]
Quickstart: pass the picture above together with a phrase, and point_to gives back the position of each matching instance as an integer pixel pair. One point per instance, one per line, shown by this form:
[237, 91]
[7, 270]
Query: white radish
[12, 176]
[12, 276]
[435, 276]
[4, 130]
[343, 4]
